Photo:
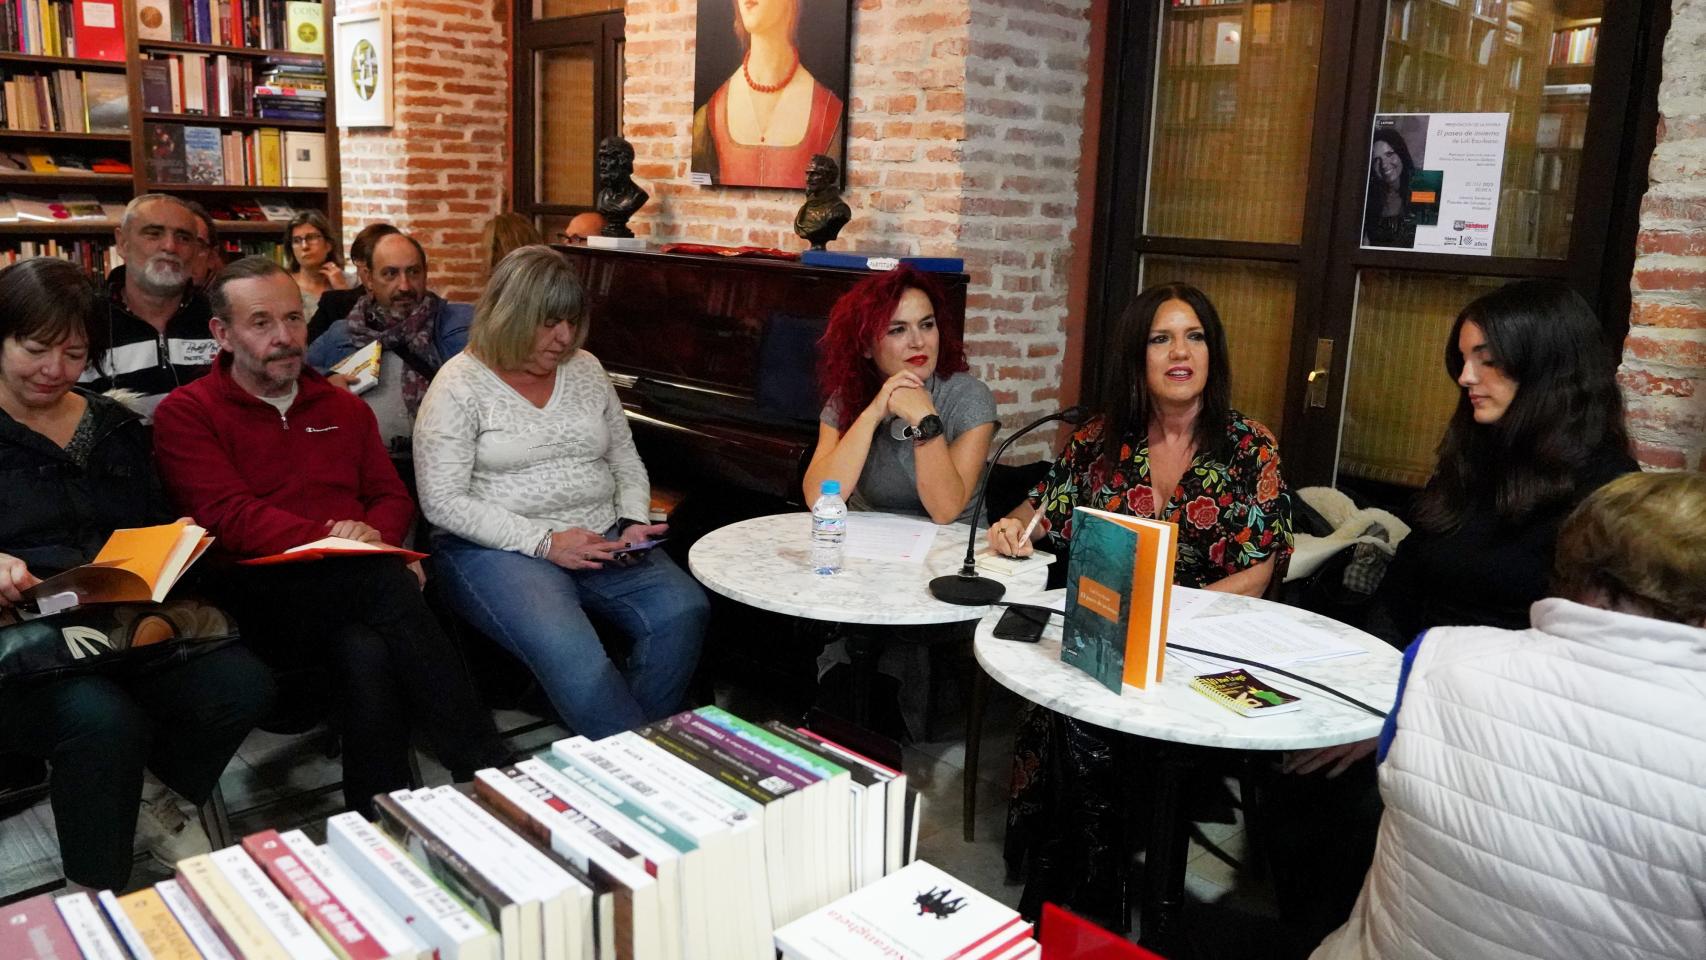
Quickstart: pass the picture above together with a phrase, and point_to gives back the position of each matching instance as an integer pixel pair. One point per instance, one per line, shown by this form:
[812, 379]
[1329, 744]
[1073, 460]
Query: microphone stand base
[966, 591]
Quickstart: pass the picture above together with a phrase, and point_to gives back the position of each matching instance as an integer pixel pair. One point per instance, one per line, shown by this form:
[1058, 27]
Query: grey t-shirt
[889, 481]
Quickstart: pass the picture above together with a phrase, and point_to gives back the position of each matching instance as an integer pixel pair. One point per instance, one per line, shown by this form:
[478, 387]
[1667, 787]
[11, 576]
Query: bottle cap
[830, 488]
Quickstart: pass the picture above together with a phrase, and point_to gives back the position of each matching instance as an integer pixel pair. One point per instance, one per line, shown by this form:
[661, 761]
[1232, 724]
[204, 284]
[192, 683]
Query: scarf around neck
[411, 335]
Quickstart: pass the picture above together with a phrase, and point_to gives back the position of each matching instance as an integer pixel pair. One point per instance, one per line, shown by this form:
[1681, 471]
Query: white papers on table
[991, 562]
[1187, 604]
[1273, 639]
[888, 539]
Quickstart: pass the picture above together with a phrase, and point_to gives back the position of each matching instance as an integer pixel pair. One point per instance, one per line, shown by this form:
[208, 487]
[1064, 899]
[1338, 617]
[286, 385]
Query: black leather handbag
[104, 636]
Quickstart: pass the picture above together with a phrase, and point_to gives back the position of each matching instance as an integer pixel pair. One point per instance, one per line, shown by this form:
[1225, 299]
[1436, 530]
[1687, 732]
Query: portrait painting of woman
[770, 90]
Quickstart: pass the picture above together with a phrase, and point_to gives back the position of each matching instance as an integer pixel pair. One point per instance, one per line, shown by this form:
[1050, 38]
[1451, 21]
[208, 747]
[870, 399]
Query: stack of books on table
[692, 838]
[917, 912]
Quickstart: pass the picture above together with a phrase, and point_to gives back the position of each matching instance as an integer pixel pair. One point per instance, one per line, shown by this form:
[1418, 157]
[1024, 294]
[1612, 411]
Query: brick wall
[1664, 359]
[441, 171]
[965, 129]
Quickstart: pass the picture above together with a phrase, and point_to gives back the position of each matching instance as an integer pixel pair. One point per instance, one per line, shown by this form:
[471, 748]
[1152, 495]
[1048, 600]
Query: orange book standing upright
[1119, 583]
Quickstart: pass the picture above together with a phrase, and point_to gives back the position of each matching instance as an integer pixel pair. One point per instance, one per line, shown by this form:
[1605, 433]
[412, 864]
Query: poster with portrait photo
[1433, 182]
[769, 90]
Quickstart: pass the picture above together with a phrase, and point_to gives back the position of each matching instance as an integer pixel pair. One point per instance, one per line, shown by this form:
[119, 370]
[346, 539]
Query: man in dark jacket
[268, 456]
[156, 335]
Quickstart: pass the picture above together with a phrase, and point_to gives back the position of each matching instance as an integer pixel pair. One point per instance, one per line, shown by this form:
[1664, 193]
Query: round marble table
[1176, 713]
[763, 562]
[1181, 726]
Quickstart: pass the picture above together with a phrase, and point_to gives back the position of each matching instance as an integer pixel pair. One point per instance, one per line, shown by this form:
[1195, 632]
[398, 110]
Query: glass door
[1240, 150]
[568, 96]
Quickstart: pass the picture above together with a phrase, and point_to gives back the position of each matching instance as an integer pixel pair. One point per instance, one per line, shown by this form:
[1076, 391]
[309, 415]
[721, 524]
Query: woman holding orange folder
[1166, 444]
[74, 467]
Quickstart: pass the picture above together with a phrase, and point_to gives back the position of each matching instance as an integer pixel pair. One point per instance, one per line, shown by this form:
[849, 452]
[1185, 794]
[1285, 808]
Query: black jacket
[55, 515]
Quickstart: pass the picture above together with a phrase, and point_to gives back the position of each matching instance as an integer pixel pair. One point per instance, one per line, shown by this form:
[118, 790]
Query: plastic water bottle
[829, 528]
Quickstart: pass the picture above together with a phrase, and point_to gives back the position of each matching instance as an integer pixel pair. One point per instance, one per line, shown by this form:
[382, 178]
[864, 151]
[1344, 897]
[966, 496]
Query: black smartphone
[1023, 624]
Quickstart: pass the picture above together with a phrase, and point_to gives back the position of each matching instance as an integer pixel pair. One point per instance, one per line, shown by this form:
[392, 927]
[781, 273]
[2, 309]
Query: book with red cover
[332, 547]
[99, 29]
[1066, 936]
[33, 930]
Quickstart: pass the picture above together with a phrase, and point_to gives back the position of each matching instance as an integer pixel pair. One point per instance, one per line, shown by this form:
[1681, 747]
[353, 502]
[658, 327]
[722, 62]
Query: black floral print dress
[1233, 512]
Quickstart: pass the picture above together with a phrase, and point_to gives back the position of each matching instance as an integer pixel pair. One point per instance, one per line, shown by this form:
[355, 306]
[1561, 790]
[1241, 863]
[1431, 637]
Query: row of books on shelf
[288, 88]
[67, 101]
[271, 24]
[97, 257]
[1575, 46]
[699, 837]
[13, 162]
[75, 207]
[62, 28]
[1196, 41]
[266, 157]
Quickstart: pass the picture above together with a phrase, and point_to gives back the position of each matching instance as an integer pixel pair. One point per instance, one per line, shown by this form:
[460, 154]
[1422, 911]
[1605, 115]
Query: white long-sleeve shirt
[496, 470]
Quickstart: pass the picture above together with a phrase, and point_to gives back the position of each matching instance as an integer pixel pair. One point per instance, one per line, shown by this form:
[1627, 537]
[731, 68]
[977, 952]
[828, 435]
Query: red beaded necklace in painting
[761, 88]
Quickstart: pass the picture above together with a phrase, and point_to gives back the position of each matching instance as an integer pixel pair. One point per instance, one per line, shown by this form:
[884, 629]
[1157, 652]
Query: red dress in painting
[762, 165]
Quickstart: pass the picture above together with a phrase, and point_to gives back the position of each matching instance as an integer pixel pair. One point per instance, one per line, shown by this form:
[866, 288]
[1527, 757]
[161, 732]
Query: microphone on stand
[966, 588]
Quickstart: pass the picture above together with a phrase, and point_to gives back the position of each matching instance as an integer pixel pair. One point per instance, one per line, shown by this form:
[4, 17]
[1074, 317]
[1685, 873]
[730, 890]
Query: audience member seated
[336, 303]
[506, 232]
[311, 255]
[1543, 786]
[527, 469]
[1538, 426]
[581, 226]
[892, 362]
[267, 456]
[156, 338]
[417, 331]
[1164, 443]
[205, 267]
[77, 466]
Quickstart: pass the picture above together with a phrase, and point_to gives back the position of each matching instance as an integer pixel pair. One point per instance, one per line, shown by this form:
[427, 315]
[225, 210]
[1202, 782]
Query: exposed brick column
[1664, 359]
[441, 171]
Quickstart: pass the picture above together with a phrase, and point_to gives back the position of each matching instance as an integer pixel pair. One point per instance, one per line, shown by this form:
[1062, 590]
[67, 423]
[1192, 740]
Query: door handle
[1321, 377]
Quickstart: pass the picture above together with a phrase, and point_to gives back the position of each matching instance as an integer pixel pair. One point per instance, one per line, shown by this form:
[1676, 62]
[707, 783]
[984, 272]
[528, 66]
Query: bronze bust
[824, 213]
[619, 197]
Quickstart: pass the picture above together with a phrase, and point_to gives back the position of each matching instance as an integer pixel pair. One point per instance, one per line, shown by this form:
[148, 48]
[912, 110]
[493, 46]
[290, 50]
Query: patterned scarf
[410, 335]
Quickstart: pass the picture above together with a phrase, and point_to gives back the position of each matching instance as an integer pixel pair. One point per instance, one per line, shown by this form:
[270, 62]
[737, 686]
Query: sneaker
[166, 833]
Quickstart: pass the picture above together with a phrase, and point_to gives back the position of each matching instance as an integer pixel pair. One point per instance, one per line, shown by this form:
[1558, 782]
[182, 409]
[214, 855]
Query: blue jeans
[533, 608]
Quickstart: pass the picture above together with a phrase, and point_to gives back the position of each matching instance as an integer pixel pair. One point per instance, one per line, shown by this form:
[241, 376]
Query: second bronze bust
[824, 213]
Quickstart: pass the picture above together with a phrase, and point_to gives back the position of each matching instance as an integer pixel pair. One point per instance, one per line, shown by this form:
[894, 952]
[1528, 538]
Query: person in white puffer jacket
[1545, 789]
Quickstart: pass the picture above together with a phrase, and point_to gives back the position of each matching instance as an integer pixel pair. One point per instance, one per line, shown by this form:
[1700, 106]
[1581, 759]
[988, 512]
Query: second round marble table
[764, 563]
[1181, 724]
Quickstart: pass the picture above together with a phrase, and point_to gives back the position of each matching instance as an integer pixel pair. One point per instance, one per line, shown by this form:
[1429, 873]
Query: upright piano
[715, 359]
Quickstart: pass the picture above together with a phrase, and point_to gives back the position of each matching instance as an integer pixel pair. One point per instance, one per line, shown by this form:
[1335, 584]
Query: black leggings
[182, 720]
[362, 623]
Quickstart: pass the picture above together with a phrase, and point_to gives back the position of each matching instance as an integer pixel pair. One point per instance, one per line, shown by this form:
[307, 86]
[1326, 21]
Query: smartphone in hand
[637, 549]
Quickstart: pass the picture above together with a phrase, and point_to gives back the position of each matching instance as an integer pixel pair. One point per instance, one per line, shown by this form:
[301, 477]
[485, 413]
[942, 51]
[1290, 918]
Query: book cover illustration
[166, 153]
[108, 101]
[1241, 692]
[204, 155]
[1098, 600]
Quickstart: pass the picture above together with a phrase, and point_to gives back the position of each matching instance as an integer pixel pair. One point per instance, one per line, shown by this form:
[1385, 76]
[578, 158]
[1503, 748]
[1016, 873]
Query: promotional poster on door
[1433, 182]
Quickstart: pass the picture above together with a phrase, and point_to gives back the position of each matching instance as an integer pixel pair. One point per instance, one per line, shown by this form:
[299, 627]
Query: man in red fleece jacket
[267, 455]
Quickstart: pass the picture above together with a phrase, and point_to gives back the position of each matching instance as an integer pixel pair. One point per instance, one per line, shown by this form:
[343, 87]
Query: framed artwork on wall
[770, 85]
[362, 68]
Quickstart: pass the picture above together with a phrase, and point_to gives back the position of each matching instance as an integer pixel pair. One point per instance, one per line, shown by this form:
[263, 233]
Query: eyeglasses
[307, 240]
[154, 234]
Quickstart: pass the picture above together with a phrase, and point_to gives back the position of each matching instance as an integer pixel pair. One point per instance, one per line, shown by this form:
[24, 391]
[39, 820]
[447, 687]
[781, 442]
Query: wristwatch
[928, 429]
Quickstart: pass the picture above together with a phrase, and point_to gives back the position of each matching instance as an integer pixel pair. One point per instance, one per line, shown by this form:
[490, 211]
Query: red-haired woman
[904, 426]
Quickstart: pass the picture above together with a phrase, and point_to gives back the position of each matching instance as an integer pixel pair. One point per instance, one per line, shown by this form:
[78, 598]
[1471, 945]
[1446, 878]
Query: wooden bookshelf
[121, 187]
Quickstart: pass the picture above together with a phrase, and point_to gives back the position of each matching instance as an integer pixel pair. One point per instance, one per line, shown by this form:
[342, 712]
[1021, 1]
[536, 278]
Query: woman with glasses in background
[311, 256]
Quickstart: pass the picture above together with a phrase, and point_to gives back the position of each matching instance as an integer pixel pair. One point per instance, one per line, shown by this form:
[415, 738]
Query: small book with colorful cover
[332, 547]
[916, 912]
[1239, 691]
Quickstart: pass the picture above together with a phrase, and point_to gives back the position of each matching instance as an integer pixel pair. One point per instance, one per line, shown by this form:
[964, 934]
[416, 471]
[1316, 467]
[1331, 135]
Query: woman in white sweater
[1546, 788]
[526, 468]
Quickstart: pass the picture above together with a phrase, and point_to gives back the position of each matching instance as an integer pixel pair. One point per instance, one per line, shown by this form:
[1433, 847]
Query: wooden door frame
[606, 30]
[1623, 110]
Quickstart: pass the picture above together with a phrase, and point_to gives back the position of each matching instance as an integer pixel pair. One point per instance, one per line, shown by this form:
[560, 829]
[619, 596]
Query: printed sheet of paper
[1276, 640]
[888, 539]
[1188, 604]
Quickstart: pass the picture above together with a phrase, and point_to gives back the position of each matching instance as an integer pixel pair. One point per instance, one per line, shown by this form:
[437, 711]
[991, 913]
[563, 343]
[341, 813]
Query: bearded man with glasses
[154, 337]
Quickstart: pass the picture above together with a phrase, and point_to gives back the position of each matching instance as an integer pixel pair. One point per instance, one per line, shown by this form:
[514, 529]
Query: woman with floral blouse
[1165, 444]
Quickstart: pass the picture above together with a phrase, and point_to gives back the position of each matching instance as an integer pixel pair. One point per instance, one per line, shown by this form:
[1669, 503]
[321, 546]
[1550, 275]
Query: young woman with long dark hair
[1538, 426]
[892, 362]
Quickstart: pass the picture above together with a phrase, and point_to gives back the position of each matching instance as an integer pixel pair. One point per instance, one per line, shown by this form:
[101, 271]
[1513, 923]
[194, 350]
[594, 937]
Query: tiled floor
[280, 782]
